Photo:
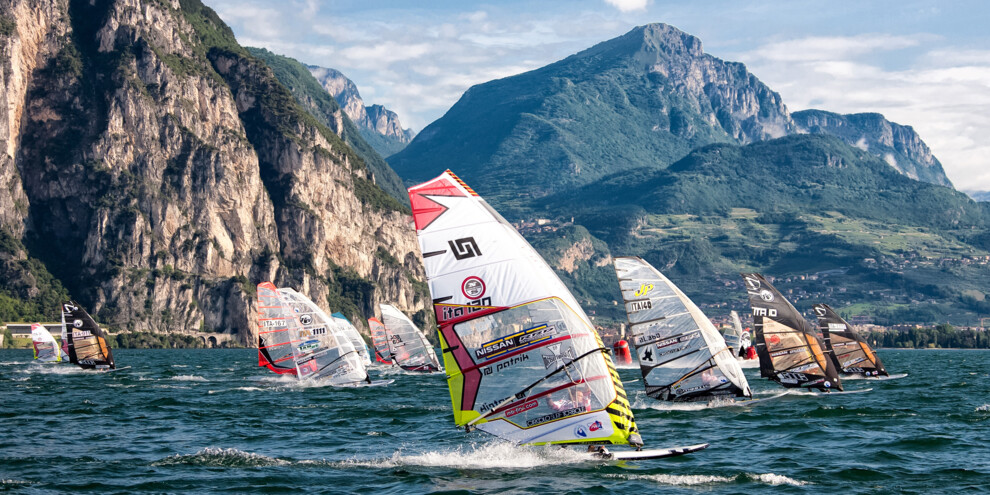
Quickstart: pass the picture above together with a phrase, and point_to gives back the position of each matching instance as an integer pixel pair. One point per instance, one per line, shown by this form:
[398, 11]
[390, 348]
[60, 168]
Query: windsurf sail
[408, 346]
[275, 323]
[745, 339]
[681, 354]
[321, 348]
[87, 344]
[523, 361]
[733, 334]
[851, 352]
[379, 340]
[790, 352]
[46, 349]
[354, 336]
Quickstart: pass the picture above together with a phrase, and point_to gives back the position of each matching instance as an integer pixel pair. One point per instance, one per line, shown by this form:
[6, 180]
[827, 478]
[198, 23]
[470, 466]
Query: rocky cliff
[379, 125]
[897, 144]
[159, 171]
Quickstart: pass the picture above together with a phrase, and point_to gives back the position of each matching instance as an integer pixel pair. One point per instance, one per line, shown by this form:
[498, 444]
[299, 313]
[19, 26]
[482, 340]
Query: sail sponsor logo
[306, 319]
[682, 390]
[766, 295]
[582, 431]
[501, 365]
[519, 340]
[521, 408]
[806, 367]
[464, 248]
[77, 323]
[552, 355]
[773, 340]
[635, 306]
[554, 416]
[752, 283]
[87, 361]
[451, 311]
[489, 405]
[790, 377]
[772, 313]
[846, 364]
[473, 287]
[784, 353]
[819, 311]
[643, 290]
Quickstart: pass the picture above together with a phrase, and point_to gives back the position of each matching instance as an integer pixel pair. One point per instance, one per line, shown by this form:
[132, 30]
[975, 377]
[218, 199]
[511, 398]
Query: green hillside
[796, 206]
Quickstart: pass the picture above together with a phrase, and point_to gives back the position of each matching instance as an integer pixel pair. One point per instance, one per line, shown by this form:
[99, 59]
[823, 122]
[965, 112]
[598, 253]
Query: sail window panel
[518, 346]
[408, 346]
[661, 330]
[700, 381]
[86, 347]
[673, 371]
[46, 351]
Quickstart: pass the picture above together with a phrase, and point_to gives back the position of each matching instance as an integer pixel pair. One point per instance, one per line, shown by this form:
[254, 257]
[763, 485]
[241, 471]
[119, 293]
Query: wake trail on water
[498, 455]
[702, 479]
[220, 457]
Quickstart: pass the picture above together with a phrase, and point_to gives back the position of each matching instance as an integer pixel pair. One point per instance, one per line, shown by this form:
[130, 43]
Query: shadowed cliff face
[160, 172]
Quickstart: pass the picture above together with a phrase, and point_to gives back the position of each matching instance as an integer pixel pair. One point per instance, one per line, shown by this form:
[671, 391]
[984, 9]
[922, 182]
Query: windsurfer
[576, 397]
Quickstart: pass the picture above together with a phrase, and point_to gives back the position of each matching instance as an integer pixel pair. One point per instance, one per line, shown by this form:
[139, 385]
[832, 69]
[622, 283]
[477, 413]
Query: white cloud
[942, 93]
[627, 5]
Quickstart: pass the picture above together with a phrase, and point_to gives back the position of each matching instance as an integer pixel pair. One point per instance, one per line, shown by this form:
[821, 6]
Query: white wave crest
[188, 378]
[489, 456]
[54, 369]
[777, 479]
[983, 408]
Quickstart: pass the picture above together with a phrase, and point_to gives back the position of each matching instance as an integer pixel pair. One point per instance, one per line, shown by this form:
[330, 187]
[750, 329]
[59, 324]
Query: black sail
[88, 345]
[852, 354]
[790, 351]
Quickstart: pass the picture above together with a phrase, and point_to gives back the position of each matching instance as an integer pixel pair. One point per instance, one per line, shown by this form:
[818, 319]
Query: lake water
[213, 421]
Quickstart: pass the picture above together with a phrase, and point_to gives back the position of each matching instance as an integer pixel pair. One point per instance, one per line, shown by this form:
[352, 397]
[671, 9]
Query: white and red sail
[523, 360]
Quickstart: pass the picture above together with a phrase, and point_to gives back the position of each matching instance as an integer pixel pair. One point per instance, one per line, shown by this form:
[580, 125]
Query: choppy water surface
[212, 421]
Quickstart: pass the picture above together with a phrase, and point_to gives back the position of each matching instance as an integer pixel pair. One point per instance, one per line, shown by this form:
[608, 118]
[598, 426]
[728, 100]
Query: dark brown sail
[790, 352]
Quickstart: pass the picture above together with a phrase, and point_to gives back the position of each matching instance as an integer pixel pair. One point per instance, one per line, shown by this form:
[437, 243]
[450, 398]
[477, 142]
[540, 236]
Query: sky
[920, 63]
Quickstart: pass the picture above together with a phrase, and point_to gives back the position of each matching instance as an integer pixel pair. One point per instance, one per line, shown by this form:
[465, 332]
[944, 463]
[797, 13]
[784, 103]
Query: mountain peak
[662, 37]
[379, 126]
